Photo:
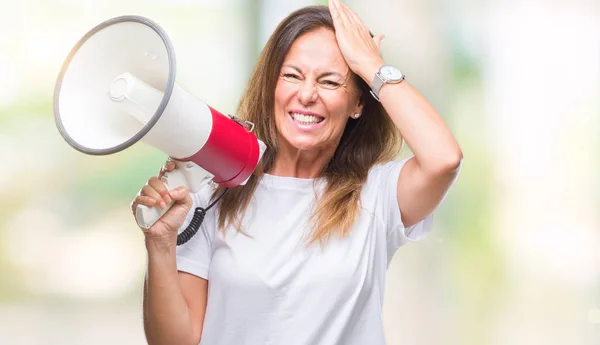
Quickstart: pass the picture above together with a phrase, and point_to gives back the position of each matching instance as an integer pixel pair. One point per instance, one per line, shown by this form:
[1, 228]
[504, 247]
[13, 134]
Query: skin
[175, 302]
[315, 79]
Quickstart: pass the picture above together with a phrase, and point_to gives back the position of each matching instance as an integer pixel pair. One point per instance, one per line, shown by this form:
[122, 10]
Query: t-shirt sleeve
[388, 209]
[194, 256]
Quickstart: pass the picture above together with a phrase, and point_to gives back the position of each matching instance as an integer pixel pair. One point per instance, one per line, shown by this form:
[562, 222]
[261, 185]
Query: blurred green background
[515, 255]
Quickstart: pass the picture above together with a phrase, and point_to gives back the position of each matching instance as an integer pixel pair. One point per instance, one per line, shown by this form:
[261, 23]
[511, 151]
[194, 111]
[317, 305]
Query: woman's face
[315, 94]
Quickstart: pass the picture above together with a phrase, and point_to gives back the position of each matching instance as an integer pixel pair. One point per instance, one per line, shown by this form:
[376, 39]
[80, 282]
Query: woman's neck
[293, 162]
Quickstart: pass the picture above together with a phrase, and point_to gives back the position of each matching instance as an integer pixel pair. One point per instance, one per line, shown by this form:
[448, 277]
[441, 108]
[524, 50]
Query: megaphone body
[117, 87]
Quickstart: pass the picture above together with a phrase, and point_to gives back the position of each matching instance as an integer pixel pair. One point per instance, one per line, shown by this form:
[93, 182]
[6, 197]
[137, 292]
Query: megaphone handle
[185, 174]
[147, 216]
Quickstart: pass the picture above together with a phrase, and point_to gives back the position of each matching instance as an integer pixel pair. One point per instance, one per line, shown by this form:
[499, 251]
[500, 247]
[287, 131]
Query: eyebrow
[324, 74]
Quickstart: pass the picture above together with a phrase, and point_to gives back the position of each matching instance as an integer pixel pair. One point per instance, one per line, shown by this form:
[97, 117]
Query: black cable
[196, 221]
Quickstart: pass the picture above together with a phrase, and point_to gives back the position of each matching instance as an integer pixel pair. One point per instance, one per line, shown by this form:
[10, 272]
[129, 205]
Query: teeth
[306, 118]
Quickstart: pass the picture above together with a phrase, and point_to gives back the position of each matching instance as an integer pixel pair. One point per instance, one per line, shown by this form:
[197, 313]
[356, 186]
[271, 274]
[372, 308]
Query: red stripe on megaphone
[231, 152]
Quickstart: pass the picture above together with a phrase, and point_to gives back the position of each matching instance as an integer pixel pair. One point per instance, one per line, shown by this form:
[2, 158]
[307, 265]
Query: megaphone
[117, 87]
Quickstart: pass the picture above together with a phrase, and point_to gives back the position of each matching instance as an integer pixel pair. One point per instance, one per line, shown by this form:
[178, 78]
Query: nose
[307, 93]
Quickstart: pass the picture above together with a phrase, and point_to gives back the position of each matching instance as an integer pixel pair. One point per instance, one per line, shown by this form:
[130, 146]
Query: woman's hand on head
[360, 50]
[155, 194]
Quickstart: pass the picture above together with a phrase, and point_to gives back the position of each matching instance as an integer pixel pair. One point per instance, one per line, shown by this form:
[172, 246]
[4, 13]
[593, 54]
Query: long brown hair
[371, 139]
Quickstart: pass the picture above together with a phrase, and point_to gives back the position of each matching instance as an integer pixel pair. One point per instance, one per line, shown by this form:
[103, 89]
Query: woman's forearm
[166, 313]
[435, 148]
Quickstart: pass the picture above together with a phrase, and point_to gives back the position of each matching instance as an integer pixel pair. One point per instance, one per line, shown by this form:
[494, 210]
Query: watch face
[390, 73]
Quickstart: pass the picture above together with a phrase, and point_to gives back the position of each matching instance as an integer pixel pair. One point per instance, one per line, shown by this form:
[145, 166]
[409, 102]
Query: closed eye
[330, 83]
[291, 76]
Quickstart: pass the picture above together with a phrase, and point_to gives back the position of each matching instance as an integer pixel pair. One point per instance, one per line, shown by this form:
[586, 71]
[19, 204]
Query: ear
[358, 109]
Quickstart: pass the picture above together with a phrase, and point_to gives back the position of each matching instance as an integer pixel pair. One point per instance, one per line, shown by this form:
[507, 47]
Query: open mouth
[305, 119]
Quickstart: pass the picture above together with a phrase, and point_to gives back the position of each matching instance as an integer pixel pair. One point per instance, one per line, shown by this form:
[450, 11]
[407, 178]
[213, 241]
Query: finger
[152, 193]
[145, 200]
[168, 166]
[181, 196]
[335, 13]
[353, 17]
[159, 186]
[378, 40]
[351, 20]
[345, 12]
[142, 200]
[343, 8]
[179, 193]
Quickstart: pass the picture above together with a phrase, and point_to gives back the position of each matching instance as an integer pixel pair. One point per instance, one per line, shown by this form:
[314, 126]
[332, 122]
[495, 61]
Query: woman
[298, 255]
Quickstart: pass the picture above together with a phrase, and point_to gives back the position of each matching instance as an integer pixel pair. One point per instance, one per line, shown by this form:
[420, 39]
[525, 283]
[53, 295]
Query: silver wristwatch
[385, 75]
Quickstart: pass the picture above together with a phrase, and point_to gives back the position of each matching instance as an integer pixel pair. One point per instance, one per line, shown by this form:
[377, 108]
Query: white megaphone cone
[117, 87]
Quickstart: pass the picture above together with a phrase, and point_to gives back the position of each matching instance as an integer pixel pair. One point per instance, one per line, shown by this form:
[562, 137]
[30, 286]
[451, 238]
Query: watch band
[376, 86]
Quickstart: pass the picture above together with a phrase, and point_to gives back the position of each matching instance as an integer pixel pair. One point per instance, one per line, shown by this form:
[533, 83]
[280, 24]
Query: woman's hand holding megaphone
[155, 193]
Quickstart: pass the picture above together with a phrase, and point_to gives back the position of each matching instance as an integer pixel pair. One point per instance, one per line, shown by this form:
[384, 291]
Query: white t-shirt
[269, 289]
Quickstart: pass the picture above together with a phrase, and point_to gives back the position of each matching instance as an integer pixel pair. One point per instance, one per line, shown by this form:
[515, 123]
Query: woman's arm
[424, 179]
[174, 302]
